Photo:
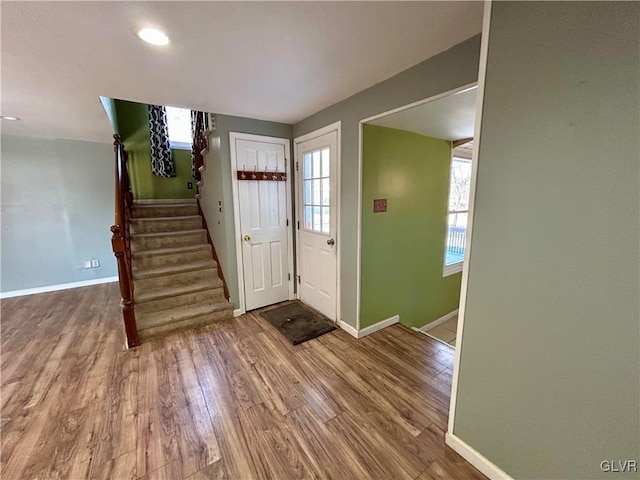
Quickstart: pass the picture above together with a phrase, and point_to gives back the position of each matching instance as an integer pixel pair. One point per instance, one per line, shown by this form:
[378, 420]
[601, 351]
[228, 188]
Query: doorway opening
[416, 182]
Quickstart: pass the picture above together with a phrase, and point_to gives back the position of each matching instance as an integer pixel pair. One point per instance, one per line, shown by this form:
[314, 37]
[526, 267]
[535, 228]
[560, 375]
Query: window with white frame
[458, 214]
[179, 125]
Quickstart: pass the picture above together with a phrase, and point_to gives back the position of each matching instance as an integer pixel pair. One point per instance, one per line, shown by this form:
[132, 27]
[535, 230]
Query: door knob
[331, 241]
[246, 238]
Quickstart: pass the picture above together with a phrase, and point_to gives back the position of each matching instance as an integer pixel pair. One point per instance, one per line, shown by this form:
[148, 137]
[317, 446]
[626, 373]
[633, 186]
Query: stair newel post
[117, 243]
[120, 243]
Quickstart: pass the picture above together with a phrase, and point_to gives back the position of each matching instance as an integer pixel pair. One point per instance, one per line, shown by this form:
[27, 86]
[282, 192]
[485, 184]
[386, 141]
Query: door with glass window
[317, 228]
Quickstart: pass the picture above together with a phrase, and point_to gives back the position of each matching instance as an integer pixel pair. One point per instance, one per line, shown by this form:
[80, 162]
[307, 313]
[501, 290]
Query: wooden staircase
[175, 276]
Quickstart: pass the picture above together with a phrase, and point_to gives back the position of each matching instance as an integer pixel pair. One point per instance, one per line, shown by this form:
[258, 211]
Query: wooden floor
[234, 400]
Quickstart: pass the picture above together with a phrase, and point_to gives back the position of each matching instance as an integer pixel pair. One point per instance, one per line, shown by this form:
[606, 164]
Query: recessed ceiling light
[153, 36]
[9, 117]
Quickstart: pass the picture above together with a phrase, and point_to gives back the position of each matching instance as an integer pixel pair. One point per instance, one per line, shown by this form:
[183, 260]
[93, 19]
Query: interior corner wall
[133, 122]
[57, 207]
[216, 198]
[450, 69]
[548, 379]
[109, 105]
[403, 248]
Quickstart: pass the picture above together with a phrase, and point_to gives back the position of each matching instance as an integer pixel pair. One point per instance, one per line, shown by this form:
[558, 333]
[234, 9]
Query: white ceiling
[450, 118]
[279, 61]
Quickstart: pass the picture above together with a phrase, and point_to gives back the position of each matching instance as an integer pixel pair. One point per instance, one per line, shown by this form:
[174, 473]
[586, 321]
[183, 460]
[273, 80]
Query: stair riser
[174, 225]
[186, 278]
[142, 263]
[185, 324]
[167, 241]
[210, 297]
[164, 211]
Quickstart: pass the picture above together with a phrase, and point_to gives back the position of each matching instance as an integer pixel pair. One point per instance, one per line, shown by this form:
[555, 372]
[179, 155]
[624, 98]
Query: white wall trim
[359, 232]
[233, 136]
[337, 127]
[476, 459]
[61, 286]
[318, 133]
[453, 91]
[452, 269]
[153, 201]
[439, 321]
[482, 73]
[359, 184]
[378, 326]
[348, 328]
[237, 312]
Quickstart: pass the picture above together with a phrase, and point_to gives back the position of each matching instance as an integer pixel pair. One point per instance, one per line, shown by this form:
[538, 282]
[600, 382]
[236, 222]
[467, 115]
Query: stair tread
[174, 315]
[186, 202]
[142, 273]
[170, 233]
[175, 290]
[164, 219]
[171, 250]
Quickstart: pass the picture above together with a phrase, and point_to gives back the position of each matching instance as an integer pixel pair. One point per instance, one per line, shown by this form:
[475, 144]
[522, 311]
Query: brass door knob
[247, 238]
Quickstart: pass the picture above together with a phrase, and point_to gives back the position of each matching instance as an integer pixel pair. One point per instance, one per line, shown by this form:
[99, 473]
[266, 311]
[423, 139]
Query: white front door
[317, 207]
[263, 219]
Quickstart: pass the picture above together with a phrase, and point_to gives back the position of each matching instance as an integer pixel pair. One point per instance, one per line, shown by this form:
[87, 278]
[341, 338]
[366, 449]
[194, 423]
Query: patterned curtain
[162, 163]
[194, 143]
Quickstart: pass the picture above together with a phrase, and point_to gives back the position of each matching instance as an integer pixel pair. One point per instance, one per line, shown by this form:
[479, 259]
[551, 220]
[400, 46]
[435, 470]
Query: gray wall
[548, 384]
[453, 68]
[217, 188]
[57, 207]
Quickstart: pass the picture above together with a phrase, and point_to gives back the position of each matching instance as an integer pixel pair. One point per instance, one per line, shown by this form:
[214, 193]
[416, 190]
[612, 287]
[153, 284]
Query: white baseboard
[348, 328]
[378, 326]
[152, 201]
[238, 311]
[53, 288]
[475, 458]
[439, 321]
[370, 329]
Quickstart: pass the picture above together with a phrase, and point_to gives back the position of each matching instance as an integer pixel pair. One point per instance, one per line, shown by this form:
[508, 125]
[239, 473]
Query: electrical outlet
[87, 264]
[95, 263]
[190, 185]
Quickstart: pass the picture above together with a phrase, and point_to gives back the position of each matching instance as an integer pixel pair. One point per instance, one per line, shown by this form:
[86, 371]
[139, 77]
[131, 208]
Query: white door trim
[482, 74]
[233, 136]
[337, 127]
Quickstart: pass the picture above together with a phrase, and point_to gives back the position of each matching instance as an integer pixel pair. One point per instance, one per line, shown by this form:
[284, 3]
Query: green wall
[133, 123]
[403, 248]
[548, 382]
[450, 69]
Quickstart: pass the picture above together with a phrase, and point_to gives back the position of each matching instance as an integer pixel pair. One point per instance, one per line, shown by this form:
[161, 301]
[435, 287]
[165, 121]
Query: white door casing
[317, 207]
[262, 221]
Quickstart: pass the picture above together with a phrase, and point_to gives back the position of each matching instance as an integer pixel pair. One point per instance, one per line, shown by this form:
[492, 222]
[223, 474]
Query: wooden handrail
[120, 241]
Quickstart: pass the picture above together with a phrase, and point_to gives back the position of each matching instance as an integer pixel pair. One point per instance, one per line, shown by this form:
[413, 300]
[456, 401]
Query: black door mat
[297, 322]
